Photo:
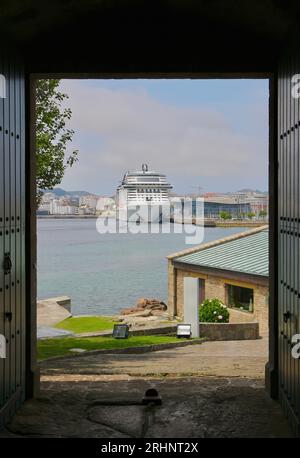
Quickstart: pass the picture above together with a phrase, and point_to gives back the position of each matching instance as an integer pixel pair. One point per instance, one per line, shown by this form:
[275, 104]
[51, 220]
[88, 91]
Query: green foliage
[87, 324]
[52, 135]
[225, 215]
[213, 311]
[263, 213]
[250, 215]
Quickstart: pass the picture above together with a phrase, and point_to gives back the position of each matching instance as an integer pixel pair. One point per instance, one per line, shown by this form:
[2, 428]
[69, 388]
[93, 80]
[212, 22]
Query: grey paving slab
[44, 332]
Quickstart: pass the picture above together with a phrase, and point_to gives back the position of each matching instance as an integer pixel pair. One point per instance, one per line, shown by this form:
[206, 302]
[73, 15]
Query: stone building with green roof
[234, 269]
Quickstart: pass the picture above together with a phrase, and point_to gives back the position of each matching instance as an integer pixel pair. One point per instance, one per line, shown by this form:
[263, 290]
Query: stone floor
[109, 407]
[215, 389]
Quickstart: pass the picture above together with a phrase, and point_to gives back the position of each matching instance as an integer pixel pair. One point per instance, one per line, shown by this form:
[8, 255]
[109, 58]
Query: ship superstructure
[144, 193]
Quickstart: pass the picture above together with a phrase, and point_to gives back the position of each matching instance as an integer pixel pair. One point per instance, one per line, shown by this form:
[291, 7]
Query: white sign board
[191, 304]
[2, 347]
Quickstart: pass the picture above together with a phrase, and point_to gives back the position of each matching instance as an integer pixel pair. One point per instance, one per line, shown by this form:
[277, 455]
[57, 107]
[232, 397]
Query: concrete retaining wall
[54, 310]
[229, 331]
[163, 330]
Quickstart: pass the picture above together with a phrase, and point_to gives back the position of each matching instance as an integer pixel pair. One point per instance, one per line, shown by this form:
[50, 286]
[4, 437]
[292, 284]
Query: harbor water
[103, 273]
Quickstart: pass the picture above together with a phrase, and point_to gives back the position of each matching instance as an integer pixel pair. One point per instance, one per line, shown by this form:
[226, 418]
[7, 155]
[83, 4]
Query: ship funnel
[144, 168]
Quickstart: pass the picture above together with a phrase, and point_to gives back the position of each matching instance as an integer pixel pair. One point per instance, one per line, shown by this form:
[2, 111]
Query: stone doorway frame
[32, 372]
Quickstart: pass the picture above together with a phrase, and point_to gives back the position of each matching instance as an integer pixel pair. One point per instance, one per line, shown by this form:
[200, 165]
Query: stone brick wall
[216, 287]
[229, 331]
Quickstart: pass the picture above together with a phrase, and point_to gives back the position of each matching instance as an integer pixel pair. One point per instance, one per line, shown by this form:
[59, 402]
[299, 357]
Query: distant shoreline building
[70, 204]
[236, 206]
[149, 194]
[62, 208]
[213, 209]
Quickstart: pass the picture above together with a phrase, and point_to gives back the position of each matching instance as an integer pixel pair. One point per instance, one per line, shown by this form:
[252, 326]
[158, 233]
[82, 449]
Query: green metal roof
[246, 254]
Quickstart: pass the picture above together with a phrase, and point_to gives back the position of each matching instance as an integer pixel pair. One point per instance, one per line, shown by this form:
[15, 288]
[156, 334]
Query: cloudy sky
[207, 133]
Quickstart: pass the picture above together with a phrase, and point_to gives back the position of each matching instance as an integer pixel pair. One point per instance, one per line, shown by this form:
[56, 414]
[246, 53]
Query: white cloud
[119, 129]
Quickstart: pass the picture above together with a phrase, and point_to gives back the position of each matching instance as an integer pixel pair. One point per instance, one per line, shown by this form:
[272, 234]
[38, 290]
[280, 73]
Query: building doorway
[201, 290]
[48, 374]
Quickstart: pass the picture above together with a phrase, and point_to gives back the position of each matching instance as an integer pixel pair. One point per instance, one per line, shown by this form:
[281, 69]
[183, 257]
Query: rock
[145, 304]
[141, 302]
[118, 319]
[77, 350]
[155, 304]
[159, 313]
[131, 310]
[143, 314]
[138, 324]
[156, 307]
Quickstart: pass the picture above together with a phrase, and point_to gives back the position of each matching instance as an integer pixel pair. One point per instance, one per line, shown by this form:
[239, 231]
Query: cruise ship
[143, 196]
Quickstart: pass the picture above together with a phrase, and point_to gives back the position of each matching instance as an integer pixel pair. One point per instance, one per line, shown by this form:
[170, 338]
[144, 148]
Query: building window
[240, 298]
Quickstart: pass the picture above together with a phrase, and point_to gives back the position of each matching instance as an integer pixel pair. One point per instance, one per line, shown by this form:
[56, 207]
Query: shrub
[213, 311]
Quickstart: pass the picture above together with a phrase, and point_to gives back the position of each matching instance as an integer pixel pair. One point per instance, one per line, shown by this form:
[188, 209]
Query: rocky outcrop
[146, 307]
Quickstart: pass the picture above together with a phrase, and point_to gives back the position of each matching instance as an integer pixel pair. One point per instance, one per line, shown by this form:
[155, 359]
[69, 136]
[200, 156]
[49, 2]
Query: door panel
[288, 243]
[12, 238]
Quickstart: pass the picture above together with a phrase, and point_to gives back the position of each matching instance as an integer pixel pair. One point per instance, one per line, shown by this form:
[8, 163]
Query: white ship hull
[141, 213]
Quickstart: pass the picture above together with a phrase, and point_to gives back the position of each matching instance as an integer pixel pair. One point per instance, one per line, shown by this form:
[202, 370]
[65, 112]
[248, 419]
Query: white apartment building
[88, 201]
[57, 209]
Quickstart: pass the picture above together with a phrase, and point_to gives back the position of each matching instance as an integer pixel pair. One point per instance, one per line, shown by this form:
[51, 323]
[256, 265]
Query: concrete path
[221, 359]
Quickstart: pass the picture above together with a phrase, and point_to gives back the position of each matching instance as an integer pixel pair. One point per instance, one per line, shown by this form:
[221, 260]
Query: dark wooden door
[289, 238]
[12, 236]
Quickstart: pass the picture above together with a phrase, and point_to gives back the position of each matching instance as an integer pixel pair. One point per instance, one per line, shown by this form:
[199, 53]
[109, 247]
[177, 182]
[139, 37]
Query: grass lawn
[87, 324]
[48, 348]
